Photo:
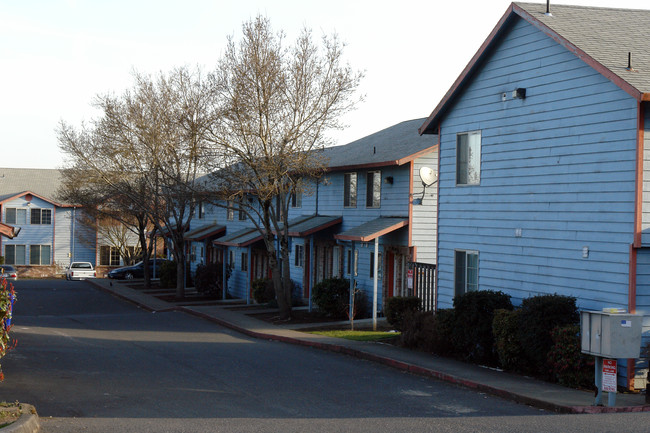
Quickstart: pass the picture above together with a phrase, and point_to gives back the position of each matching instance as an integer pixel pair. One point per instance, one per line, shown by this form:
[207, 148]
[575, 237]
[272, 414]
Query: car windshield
[81, 266]
[7, 268]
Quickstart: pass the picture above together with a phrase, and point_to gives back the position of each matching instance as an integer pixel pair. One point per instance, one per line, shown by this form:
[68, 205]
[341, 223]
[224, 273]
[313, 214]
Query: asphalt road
[93, 363]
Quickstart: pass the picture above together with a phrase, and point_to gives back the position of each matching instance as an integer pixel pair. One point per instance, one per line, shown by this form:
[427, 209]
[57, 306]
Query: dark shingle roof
[389, 146]
[43, 182]
[604, 34]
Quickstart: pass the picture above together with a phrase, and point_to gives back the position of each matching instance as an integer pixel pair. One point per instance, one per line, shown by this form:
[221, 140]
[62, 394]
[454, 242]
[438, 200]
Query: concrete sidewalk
[510, 386]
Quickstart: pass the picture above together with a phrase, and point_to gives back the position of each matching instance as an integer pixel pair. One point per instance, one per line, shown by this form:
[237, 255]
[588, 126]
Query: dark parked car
[8, 272]
[136, 271]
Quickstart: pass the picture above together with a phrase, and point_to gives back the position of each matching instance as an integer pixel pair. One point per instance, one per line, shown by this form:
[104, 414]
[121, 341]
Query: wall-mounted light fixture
[388, 180]
[519, 93]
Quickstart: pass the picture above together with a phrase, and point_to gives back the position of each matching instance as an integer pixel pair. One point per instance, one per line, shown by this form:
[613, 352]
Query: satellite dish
[428, 176]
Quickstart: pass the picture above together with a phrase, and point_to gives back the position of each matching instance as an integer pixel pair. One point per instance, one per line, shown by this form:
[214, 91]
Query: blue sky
[57, 54]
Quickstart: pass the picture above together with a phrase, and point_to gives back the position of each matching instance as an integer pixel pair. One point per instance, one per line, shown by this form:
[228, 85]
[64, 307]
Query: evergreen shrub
[395, 309]
[472, 333]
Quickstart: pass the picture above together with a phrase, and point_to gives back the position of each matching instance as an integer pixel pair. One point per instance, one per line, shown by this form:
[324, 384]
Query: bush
[396, 307]
[332, 296]
[168, 276]
[567, 365]
[208, 278]
[430, 332]
[472, 333]
[539, 316]
[505, 329]
[7, 299]
[263, 290]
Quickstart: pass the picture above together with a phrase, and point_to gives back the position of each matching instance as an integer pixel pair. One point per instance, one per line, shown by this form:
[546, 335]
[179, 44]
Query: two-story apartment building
[366, 220]
[544, 184]
[52, 234]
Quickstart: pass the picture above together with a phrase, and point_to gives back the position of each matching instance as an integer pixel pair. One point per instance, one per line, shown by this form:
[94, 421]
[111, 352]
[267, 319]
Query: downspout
[224, 278]
[351, 270]
[638, 228]
[317, 182]
[311, 269]
[435, 287]
[74, 219]
[374, 285]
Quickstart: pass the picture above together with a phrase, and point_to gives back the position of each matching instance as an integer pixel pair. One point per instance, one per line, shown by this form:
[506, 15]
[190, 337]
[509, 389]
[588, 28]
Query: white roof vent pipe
[548, 9]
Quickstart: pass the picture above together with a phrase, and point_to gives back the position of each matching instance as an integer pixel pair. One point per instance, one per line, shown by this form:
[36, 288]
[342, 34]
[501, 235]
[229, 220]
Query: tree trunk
[180, 276]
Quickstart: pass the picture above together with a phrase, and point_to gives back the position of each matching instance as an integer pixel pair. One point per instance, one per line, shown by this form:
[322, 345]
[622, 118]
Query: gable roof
[395, 145]
[602, 37]
[42, 183]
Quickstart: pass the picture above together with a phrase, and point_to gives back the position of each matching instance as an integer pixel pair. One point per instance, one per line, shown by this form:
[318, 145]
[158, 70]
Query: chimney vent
[548, 9]
[629, 62]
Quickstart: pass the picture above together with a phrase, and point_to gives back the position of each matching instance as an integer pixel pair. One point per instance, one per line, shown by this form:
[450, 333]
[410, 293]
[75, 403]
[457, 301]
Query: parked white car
[80, 271]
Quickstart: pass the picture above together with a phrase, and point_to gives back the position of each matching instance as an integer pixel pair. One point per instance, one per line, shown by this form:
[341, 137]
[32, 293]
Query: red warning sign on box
[609, 375]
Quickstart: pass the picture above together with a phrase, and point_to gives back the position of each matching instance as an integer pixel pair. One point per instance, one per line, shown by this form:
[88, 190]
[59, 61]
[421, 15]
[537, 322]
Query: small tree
[275, 104]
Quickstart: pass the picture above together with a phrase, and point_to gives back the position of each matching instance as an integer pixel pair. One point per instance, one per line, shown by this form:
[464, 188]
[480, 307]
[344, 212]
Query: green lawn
[358, 335]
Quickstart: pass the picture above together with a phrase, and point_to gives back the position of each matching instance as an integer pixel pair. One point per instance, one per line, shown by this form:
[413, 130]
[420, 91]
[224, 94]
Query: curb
[27, 423]
[399, 365]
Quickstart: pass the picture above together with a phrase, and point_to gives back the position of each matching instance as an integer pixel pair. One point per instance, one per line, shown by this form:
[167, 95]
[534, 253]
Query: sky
[56, 55]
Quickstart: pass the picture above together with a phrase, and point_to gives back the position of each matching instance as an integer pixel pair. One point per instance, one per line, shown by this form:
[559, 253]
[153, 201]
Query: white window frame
[468, 158]
[299, 256]
[373, 189]
[465, 276]
[19, 216]
[40, 255]
[296, 199]
[22, 255]
[40, 212]
[350, 189]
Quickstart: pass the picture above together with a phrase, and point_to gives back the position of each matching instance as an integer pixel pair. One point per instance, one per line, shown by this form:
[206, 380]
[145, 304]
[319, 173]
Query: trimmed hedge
[472, 333]
[208, 278]
[332, 296]
[567, 364]
[263, 290]
[539, 316]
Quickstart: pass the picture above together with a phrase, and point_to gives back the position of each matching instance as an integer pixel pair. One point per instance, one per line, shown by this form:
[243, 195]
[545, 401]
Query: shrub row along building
[528, 177]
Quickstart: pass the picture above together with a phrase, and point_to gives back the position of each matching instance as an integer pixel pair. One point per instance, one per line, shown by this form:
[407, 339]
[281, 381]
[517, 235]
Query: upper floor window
[41, 216]
[16, 216]
[350, 190]
[230, 211]
[468, 158]
[466, 271]
[373, 189]
[242, 212]
[201, 210]
[296, 199]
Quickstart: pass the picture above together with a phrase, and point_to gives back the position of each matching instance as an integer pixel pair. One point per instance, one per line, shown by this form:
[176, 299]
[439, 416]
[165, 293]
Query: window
[299, 256]
[16, 216]
[230, 211]
[350, 190]
[244, 262]
[372, 265]
[41, 216]
[39, 255]
[296, 199]
[231, 259]
[466, 271]
[353, 262]
[15, 254]
[109, 256]
[201, 210]
[373, 189]
[468, 158]
[242, 214]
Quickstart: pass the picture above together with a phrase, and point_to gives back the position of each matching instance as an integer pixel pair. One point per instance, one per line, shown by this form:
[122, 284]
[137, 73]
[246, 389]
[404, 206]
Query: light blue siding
[559, 166]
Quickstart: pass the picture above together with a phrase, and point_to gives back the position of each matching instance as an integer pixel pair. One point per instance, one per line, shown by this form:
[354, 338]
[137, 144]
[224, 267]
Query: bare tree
[146, 148]
[275, 105]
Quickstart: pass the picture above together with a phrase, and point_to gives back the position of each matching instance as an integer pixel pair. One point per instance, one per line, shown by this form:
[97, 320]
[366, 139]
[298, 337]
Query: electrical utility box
[611, 335]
